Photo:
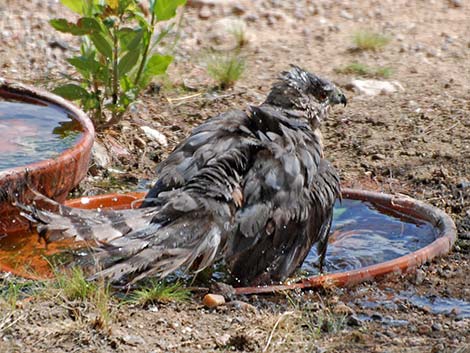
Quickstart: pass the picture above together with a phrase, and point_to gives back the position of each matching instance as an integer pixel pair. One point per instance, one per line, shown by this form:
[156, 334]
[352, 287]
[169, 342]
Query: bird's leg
[321, 262]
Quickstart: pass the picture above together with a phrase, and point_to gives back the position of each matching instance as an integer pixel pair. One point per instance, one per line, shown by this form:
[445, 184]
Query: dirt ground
[415, 141]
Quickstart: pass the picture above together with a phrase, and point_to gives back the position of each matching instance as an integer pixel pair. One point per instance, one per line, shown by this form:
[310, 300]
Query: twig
[283, 315]
[5, 325]
[171, 100]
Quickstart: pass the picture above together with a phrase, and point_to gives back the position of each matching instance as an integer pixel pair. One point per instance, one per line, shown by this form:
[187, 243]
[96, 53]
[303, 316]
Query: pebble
[213, 300]
[155, 135]
[222, 340]
[100, 156]
[455, 3]
[132, 340]
[353, 320]
[436, 326]
[241, 305]
[376, 317]
[376, 87]
[343, 309]
[205, 13]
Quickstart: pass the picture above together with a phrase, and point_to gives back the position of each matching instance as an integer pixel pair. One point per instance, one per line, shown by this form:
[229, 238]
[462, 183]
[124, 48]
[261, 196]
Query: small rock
[376, 317]
[132, 340]
[343, 309]
[224, 289]
[238, 9]
[116, 149]
[353, 320]
[241, 305]
[376, 87]
[436, 326]
[155, 135]
[213, 300]
[209, 3]
[378, 157]
[455, 3]
[100, 155]
[423, 329]
[59, 44]
[223, 340]
[346, 15]
[205, 13]
[420, 276]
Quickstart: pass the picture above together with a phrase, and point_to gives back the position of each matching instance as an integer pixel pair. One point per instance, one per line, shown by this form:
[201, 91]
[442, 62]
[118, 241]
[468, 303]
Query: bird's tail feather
[129, 244]
[179, 244]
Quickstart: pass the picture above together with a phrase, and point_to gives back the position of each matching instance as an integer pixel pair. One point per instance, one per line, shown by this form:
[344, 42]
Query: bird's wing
[288, 195]
[211, 139]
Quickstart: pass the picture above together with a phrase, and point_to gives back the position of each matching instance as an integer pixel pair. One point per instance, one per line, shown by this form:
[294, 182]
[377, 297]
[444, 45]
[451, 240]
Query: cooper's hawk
[251, 187]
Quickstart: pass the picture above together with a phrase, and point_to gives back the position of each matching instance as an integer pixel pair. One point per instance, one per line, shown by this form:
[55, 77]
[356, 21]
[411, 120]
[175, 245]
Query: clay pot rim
[83, 144]
[443, 243]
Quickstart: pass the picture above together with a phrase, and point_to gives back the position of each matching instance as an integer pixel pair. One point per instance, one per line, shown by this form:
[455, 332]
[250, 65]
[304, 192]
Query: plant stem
[146, 50]
[115, 73]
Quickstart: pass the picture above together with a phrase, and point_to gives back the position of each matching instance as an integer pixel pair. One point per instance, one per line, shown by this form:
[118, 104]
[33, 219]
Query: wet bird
[249, 187]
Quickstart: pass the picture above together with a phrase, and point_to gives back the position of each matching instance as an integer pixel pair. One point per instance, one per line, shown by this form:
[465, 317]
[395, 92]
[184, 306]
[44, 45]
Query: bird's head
[301, 90]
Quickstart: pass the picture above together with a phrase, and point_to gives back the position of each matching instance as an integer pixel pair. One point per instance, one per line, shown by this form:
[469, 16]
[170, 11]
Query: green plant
[73, 285]
[159, 292]
[101, 300]
[317, 317]
[225, 68]
[11, 293]
[118, 55]
[366, 40]
[238, 30]
[360, 69]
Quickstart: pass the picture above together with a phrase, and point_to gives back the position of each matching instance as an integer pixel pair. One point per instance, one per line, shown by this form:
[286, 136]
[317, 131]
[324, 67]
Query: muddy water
[363, 235]
[33, 131]
[28, 255]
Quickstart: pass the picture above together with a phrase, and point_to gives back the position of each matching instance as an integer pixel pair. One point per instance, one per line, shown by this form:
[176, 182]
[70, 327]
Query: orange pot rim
[80, 147]
[443, 243]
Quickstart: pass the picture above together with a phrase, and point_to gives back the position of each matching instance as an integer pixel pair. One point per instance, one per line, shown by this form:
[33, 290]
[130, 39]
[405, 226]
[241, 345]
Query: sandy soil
[414, 142]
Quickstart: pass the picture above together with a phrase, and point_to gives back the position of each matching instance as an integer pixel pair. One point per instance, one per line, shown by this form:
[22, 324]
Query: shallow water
[435, 304]
[363, 235]
[34, 132]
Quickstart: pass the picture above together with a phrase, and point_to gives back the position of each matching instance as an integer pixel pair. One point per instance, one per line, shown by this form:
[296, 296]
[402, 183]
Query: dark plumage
[250, 187]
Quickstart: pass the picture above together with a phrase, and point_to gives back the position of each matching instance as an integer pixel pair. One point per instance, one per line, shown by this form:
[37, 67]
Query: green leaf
[130, 38]
[136, 40]
[71, 91]
[63, 25]
[112, 4]
[166, 9]
[83, 63]
[126, 83]
[156, 65]
[78, 6]
[82, 7]
[102, 44]
[128, 61]
[88, 24]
